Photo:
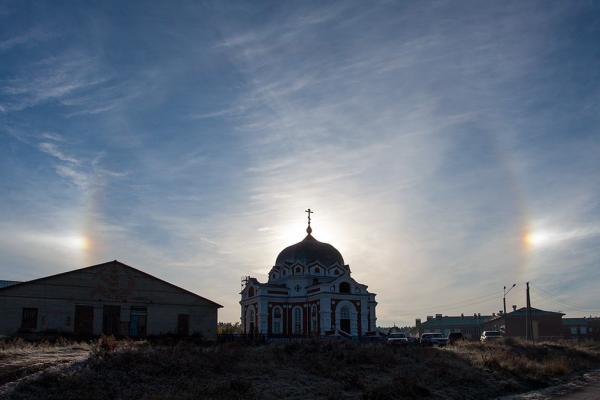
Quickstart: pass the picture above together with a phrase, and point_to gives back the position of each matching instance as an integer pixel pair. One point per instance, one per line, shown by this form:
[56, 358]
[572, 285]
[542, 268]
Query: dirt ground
[24, 361]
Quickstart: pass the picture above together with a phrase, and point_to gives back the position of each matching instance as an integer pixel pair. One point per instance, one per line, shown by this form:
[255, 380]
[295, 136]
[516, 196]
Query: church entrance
[345, 320]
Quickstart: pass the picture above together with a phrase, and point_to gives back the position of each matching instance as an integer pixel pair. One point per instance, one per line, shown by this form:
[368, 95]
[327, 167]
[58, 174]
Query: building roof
[521, 312]
[115, 262]
[456, 320]
[577, 321]
[310, 250]
[4, 284]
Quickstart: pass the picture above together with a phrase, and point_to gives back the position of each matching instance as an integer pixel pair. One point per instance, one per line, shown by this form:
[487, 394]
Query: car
[488, 336]
[397, 338]
[430, 339]
[454, 337]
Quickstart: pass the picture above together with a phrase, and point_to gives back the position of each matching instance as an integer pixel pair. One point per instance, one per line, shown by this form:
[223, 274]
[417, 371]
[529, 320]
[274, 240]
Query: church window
[344, 287]
[298, 270]
[251, 292]
[313, 319]
[277, 321]
[345, 313]
[317, 270]
[297, 321]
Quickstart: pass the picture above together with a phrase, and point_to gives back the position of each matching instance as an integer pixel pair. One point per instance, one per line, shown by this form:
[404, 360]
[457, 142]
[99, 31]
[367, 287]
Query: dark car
[455, 337]
[430, 339]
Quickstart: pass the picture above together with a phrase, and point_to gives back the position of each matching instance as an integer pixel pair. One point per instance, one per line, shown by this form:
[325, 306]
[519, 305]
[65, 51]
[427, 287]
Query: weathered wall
[106, 284]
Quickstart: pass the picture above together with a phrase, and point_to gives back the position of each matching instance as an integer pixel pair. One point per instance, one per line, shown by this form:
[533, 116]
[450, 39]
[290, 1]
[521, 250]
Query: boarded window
[137, 321]
[29, 320]
[111, 319]
[183, 324]
[84, 320]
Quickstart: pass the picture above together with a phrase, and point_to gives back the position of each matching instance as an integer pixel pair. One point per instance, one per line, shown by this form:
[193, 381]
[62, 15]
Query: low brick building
[581, 328]
[545, 325]
[109, 298]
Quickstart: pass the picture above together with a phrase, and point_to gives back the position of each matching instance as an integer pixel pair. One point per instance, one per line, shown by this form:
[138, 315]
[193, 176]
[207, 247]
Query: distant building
[545, 325]
[310, 292]
[581, 328]
[109, 298]
[470, 326]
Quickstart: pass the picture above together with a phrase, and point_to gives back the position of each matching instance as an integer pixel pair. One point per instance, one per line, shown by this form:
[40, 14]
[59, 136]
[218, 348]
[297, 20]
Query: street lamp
[504, 303]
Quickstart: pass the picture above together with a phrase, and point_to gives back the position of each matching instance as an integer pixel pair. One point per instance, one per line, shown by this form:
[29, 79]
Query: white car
[397, 338]
[488, 336]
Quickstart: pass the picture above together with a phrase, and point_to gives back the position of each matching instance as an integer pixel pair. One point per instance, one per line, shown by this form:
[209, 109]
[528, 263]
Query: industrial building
[109, 298]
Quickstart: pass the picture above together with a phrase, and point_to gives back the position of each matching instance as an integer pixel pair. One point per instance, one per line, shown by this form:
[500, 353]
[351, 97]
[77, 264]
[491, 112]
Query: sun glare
[77, 242]
[538, 238]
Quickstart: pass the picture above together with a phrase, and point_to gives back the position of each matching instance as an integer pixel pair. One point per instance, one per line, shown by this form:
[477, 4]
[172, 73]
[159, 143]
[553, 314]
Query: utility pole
[504, 304]
[528, 325]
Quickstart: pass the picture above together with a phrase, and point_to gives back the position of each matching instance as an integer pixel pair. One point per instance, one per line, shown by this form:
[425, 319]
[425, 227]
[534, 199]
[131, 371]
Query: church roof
[310, 250]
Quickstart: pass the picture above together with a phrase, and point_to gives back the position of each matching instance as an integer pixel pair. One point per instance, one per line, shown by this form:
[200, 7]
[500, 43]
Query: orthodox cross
[309, 212]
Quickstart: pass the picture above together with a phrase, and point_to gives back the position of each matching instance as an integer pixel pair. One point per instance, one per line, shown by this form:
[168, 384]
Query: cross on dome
[309, 229]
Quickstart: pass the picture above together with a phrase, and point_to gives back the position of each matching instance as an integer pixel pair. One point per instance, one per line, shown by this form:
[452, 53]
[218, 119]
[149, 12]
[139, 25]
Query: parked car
[488, 336]
[397, 338]
[454, 337]
[430, 339]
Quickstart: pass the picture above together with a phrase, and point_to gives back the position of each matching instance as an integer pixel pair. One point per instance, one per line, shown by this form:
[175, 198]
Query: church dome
[308, 251]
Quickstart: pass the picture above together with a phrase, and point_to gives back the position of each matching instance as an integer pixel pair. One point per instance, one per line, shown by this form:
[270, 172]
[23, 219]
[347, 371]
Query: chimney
[418, 322]
[478, 315]
[429, 318]
[438, 316]
[493, 314]
[474, 315]
[462, 315]
[514, 307]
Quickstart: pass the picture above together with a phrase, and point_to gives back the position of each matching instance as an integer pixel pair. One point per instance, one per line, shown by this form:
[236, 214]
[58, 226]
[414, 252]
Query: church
[309, 292]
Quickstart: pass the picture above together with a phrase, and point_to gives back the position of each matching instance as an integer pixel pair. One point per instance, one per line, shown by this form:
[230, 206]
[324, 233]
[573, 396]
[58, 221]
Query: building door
[345, 320]
[137, 322]
[183, 324]
[111, 318]
[84, 321]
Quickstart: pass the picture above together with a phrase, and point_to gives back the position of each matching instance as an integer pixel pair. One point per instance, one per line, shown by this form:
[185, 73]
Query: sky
[447, 148]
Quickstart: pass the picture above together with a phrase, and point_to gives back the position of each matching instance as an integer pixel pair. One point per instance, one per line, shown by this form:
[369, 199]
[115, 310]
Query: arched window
[317, 270]
[298, 270]
[250, 321]
[251, 291]
[297, 321]
[276, 325]
[345, 313]
[314, 326]
[344, 287]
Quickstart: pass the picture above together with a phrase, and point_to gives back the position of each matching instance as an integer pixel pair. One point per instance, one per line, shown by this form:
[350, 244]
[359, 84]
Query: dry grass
[319, 370]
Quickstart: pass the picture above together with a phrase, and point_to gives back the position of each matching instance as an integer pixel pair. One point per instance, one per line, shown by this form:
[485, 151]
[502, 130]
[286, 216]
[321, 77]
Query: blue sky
[448, 148]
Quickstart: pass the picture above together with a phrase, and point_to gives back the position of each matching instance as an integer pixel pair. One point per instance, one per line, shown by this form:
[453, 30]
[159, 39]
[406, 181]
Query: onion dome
[310, 250]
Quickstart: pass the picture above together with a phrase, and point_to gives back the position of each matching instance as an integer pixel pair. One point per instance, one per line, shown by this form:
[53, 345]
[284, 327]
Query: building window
[317, 270]
[297, 321]
[251, 291]
[298, 270]
[337, 272]
[574, 330]
[276, 328]
[314, 326]
[29, 320]
[344, 287]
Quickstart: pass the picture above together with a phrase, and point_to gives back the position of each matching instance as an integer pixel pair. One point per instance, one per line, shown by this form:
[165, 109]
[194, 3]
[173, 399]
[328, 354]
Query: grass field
[320, 370]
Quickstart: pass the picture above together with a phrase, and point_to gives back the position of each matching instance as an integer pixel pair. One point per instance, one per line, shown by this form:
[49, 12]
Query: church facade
[309, 292]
